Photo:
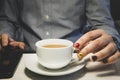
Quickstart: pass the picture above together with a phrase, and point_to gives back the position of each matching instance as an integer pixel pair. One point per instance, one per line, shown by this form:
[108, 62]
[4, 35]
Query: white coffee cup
[56, 57]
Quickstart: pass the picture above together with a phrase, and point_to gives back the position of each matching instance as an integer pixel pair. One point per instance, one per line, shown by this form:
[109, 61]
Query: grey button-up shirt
[41, 19]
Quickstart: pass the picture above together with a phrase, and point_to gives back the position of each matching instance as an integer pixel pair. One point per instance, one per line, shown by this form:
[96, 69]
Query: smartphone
[9, 59]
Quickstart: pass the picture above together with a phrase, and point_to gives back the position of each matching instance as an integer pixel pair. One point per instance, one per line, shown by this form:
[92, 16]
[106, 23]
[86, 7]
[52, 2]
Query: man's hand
[6, 40]
[100, 43]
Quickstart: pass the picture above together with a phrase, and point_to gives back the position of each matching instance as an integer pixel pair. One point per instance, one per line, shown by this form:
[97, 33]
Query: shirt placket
[46, 10]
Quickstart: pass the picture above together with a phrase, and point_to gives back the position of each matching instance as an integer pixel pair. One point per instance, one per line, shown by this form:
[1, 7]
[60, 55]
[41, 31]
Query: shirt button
[47, 17]
[47, 33]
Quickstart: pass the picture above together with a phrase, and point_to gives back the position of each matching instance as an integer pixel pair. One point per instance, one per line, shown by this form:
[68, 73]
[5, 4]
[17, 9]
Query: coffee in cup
[54, 46]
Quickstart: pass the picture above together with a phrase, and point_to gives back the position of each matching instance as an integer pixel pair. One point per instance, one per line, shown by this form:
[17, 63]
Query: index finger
[4, 38]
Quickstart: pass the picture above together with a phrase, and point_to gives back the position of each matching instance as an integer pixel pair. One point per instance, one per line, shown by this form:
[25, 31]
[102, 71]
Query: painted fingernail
[76, 45]
[94, 58]
[80, 55]
[105, 61]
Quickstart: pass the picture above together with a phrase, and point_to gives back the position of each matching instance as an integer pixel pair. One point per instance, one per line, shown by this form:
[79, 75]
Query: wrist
[117, 43]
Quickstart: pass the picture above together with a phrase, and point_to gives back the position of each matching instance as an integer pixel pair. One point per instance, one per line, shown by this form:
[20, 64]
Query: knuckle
[86, 50]
[83, 39]
[90, 35]
[97, 43]
[93, 35]
[21, 43]
[112, 47]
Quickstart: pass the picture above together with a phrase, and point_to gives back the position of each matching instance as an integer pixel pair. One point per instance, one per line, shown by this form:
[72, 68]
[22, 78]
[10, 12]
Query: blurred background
[115, 11]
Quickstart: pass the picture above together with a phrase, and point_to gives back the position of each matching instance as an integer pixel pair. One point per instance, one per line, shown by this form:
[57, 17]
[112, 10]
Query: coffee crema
[54, 46]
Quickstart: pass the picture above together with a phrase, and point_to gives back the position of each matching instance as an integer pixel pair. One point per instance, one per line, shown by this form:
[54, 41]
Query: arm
[99, 40]
[99, 16]
[6, 19]
[9, 22]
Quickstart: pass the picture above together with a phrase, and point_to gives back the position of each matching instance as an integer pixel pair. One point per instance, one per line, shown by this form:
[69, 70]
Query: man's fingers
[21, 45]
[10, 39]
[4, 40]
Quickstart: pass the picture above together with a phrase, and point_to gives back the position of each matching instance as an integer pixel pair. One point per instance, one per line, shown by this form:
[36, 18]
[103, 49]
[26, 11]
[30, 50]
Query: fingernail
[105, 61]
[76, 45]
[80, 55]
[94, 58]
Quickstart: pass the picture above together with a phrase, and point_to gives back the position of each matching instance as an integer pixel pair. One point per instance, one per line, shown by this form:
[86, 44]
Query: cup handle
[75, 57]
[76, 60]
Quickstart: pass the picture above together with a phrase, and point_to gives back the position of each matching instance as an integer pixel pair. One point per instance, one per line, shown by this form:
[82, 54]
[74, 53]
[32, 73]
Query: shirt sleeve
[9, 18]
[99, 16]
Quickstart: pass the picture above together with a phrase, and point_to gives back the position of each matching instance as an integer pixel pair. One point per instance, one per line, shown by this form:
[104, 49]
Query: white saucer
[32, 64]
